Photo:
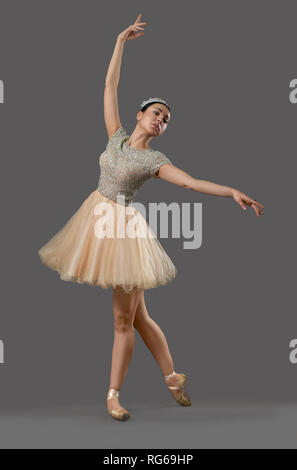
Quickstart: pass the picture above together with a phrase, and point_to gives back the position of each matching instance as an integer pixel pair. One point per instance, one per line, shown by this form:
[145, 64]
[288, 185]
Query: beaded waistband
[116, 201]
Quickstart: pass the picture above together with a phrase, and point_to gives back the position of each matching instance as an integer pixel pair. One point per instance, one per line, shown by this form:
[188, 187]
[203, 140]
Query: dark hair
[150, 104]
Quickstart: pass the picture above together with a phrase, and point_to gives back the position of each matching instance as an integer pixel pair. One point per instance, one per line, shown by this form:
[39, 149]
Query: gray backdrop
[229, 315]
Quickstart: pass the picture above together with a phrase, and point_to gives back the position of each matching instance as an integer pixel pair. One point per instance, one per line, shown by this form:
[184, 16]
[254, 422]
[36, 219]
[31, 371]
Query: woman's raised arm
[111, 109]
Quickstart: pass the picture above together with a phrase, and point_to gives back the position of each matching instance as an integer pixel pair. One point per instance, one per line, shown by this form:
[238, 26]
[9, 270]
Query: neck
[139, 140]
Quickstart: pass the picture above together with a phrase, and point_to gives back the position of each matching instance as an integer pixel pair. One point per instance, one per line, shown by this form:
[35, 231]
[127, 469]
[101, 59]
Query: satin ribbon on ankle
[170, 375]
[113, 393]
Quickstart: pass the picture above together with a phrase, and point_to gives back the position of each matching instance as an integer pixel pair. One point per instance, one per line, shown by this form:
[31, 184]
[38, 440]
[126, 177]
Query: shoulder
[117, 137]
[158, 159]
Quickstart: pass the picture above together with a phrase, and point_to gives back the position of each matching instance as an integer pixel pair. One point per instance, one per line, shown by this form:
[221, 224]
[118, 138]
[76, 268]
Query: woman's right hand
[129, 33]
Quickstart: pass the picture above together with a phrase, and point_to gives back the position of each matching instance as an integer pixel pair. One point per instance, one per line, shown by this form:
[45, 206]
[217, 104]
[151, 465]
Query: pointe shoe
[119, 413]
[179, 394]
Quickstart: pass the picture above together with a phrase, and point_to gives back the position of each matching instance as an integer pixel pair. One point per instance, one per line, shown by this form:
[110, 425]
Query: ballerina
[81, 252]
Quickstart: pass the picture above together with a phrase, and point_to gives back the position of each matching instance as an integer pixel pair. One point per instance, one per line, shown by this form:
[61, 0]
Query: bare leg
[124, 308]
[153, 337]
[155, 340]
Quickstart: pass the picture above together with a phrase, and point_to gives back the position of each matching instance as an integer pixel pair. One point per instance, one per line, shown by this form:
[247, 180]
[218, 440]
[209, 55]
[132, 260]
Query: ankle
[170, 375]
[113, 393]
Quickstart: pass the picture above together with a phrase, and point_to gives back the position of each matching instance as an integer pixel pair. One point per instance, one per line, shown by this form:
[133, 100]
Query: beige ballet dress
[107, 242]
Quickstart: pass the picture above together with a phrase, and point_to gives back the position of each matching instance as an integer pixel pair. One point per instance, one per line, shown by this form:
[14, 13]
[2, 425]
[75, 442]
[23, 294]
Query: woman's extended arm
[113, 72]
[175, 175]
[111, 110]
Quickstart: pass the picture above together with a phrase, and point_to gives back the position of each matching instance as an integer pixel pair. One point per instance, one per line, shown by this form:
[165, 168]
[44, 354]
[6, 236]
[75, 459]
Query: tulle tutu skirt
[108, 244]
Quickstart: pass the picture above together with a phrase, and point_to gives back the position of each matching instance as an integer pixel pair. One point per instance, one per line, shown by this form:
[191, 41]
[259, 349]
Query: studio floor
[206, 425]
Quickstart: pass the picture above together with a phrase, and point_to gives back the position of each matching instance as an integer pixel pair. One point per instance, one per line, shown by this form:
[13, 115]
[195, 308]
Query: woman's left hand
[243, 200]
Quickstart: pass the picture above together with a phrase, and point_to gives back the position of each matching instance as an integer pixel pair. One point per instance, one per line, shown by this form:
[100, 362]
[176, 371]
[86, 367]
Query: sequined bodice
[124, 169]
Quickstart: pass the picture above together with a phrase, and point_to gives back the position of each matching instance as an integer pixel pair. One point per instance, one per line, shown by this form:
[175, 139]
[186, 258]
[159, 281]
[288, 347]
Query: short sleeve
[158, 160]
[117, 137]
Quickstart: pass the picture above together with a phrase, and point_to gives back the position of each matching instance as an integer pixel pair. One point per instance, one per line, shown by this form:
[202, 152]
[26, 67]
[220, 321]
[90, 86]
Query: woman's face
[155, 119]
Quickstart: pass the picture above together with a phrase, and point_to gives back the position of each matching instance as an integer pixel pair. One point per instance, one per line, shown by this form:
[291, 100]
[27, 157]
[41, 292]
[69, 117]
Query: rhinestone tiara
[154, 100]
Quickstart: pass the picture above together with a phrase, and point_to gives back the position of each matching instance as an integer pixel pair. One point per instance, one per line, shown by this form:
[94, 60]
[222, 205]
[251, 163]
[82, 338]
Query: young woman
[89, 249]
